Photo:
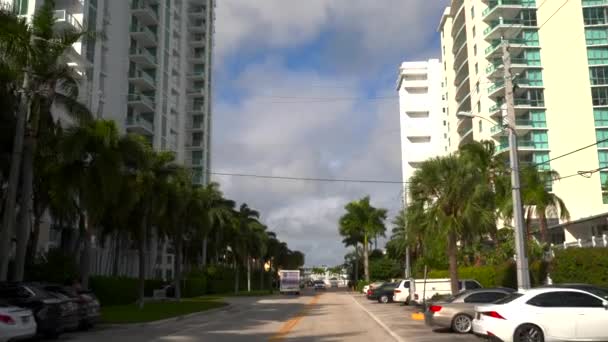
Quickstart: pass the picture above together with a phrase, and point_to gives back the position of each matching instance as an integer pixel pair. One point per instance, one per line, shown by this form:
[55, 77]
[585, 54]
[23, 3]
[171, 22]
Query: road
[326, 317]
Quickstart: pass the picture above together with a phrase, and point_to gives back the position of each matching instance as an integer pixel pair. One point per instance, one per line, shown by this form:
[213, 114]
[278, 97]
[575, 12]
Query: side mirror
[605, 303]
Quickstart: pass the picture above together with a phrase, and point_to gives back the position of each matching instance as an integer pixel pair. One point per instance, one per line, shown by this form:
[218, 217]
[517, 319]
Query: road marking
[386, 328]
[292, 323]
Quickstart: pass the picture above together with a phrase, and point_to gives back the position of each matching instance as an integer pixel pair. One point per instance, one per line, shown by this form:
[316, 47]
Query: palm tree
[451, 199]
[363, 219]
[540, 201]
[92, 155]
[38, 49]
[353, 239]
[246, 221]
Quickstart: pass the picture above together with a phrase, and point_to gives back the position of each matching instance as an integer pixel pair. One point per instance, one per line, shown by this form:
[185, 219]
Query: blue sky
[292, 88]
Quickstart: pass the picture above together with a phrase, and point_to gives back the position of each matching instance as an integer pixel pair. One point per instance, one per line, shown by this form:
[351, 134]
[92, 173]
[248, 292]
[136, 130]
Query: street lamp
[523, 275]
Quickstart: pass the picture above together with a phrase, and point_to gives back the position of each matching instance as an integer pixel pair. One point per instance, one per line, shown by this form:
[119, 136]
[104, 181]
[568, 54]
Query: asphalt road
[326, 317]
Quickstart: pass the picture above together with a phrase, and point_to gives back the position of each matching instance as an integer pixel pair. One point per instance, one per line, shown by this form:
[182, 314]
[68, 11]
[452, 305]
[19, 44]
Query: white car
[16, 323]
[554, 313]
[365, 288]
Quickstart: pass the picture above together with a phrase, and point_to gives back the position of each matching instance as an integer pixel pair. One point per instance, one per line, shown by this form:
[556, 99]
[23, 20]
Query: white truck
[289, 281]
[412, 291]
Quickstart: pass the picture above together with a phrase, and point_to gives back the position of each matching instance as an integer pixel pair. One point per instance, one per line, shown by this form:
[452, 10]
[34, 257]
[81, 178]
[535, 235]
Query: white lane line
[384, 326]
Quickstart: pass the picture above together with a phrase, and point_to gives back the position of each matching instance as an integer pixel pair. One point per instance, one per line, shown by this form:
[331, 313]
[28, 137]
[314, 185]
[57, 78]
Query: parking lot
[397, 318]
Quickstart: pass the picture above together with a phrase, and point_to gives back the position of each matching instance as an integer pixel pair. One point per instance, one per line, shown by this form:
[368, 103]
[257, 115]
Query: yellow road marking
[418, 316]
[292, 323]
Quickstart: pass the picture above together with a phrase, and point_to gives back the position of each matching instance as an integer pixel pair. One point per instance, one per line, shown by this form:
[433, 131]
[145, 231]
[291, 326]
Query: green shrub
[580, 265]
[114, 290]
[361, 284]
[55, 267]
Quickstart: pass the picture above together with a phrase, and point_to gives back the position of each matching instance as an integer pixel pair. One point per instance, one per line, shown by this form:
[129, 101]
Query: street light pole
[523, 275]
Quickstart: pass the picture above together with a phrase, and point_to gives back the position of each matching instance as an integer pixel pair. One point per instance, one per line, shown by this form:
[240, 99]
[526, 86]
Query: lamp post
[523, 274]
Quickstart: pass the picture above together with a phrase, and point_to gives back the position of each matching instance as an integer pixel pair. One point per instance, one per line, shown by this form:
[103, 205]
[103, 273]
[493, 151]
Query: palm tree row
[87, 175]
[457, 200]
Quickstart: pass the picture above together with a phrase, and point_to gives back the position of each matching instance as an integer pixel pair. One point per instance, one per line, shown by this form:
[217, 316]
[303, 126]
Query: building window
[472, 11]
[597, 56]
[595, 36]
[600, 96]
[476, 68]
[480, 126]
[594, 16]
[474, 32]
[475, 50]
[419, 139]
[444, 123]
[444, 50]
[477, 87]
[598, 75]
[478, 107]
[601, 117]
[601, 134]
[169, 259]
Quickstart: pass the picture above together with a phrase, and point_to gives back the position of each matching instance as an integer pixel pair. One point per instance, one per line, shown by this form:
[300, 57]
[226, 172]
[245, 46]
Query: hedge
[496, 276]
[580, 265]
[120, 290]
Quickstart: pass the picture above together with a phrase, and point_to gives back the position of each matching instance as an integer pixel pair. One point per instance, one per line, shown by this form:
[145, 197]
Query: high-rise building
[148, 68]
[558, 53]
[420, 113]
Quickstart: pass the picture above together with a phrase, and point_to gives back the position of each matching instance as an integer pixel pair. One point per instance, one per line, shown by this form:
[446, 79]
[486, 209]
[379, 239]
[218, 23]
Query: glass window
[538, 118]
[485, 297]
[604, 180]
[598, 75]
[597, 55]
[594, 16]
[595, 36]
[476, 68]
[533, 77]
[603, 158]
[600, 96]
[601, 116]
[565, 299]
[474, 32]
[528, 17]
[530, 37]
[601, 135]
[472, 11]
[509, 298]
[540, 139]
[475, 50]
[471, 285]
[532, 57]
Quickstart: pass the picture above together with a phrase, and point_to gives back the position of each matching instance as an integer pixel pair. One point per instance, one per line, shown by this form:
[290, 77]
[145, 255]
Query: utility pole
[408, 269]
[523, 275]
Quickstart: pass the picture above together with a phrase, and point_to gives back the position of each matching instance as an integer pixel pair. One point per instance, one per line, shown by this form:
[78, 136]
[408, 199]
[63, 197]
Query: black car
[383, 294]
[88, 305]
[47, 309]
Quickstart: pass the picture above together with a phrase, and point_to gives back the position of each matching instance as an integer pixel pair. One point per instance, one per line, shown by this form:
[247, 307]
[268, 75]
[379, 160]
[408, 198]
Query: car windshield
[509, 298]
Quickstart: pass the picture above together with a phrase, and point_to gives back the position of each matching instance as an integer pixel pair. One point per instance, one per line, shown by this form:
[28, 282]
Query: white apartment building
[421, 117]
[559, 54]
[149, 70]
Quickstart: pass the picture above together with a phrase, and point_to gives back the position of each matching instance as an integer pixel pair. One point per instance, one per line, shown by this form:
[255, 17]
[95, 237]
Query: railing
[141, 28]
[139, 121]
[496, 86]
[593, 242]
[142, 74]
[65, 16]
[494, 4]
[528, 82]
[594, 2]
[502, 21]
[144, 52]
[520, 144]
[498, 63]
[144, 5]
[141, 98]
[495, 44]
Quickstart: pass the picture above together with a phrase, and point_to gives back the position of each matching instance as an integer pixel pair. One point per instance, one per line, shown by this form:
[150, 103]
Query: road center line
[384, 326]
[292, 323]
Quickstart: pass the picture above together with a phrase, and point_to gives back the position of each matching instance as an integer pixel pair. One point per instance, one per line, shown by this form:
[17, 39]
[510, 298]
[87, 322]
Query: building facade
[423, 125]
[559, 58]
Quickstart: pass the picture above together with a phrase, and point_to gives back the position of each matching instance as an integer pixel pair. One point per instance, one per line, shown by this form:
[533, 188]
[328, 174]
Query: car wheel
[528, 333]
[384, 299]
[462, 324]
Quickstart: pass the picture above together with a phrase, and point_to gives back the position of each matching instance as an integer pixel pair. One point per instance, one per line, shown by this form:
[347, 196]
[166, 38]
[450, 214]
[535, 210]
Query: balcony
[197, 26]
[518, 66]
[65, 20]
[460, 40]
[195, 145]
[463, 88]
[195, 126]
[466, 138]
[524, 147]
[195, 91]
[141, 102]
[522, 85]
[496, 110]
[139, 125]
[464, 124]
[522, 126]
[144, 35]
[144, 12]
[143, 57]
[196, 75]
[464, 105]
[197, 12]
[197, 40]
[516, 47]
[496, 90]
[142, 80]
[504, 28]
[593, 3]
[508, 9]
[196, 110]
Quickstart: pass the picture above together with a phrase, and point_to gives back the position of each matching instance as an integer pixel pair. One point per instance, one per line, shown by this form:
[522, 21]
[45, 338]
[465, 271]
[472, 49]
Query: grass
[154, 311]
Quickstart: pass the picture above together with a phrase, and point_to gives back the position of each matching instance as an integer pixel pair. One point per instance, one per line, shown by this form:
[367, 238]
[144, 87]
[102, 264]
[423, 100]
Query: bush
[361, 284]
[580, 265]
[120, 290]
[384, 268]
[55, 267]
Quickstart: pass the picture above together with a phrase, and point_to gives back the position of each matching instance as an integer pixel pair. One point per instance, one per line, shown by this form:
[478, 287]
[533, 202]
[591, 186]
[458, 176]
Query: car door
[592, 319]
[555, 313]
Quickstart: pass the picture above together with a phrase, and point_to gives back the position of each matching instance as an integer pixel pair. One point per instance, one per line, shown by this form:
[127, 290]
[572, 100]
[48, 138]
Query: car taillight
[397, 291]
[493, 314]
[435, 308]
[369, 292]
[7, 320]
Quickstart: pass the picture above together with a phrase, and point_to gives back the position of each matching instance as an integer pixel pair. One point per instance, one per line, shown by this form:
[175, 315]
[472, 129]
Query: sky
[307, 89]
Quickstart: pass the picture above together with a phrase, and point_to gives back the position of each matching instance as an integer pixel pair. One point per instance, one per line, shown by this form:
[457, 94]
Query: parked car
[16, 323]
[371, 286]
[383, 294]
[319, 285]
[47, 309]
[458, 311]
[555, 313]
[333, 282]
[88, 305]
[423, 290]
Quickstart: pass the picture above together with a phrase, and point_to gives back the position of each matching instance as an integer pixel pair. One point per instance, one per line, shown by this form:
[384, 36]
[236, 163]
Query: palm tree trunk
[23, 231]
[141, 244]
[366, 258]
[85, 259]
[8, 217]
[33, 243]
[178, 267]
[248, 274]
[236, 277]
[356, 263]
[205, 243]
[543, 226]
[453, 261]
[117, 254]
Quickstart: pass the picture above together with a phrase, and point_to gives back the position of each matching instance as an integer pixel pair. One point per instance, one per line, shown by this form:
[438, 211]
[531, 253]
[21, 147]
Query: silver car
[457, 312]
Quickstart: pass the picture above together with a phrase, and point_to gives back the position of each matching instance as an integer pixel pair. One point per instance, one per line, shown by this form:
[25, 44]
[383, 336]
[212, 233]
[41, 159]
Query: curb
[379, 322]
[418, 316]
[166, 320]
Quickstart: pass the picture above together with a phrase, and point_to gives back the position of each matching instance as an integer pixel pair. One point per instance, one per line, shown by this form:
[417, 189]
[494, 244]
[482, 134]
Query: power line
[586, 174]
[308, 179]
[571, 152]
[554, 13]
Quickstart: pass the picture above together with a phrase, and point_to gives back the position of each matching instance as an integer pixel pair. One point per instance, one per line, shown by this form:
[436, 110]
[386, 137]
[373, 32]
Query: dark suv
[383, 294]
[88, 305]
